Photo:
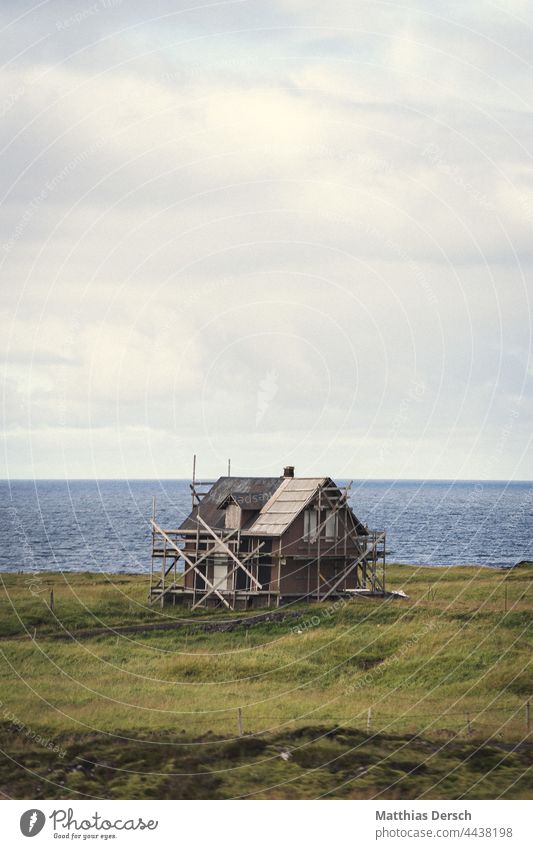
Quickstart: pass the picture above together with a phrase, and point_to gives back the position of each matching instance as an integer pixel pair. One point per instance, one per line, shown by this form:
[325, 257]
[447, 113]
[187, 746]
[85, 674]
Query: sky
[276, 231]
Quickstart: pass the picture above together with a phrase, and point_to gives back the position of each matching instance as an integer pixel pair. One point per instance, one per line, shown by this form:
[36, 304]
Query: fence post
[369, 720]
[239, 721]
[528, 716]
[52, 600]
[468, 726]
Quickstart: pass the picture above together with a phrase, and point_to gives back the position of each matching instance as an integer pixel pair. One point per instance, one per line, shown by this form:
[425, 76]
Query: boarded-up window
[310, 525]
[220, 571]
[331, 524]
[233, 515]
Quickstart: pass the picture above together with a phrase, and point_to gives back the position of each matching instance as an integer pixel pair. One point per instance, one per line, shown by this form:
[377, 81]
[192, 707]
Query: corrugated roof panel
[304, 484]
[285, 505]
[276, 519]
[281, 521]
[289, 495]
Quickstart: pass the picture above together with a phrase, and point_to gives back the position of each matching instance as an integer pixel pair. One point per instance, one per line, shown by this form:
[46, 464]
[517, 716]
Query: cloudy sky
[281, 231]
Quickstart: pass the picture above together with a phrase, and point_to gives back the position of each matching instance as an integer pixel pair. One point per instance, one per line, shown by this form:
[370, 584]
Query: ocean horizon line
[214, 477]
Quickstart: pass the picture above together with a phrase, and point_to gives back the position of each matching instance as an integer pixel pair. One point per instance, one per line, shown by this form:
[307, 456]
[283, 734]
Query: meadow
[108, 697]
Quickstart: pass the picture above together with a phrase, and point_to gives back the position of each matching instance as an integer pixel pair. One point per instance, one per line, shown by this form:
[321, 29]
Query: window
[220, 571]
[310, 525]
[331, 524]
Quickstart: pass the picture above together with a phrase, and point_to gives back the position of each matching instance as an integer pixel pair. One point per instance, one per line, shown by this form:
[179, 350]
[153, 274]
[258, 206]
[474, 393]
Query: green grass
[446, 675]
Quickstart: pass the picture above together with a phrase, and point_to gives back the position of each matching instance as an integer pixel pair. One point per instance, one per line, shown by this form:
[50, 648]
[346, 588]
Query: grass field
[446, 675]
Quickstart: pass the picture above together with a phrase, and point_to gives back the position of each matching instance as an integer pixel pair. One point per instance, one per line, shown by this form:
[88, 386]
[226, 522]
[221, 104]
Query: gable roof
[211, 510]
[275, 503]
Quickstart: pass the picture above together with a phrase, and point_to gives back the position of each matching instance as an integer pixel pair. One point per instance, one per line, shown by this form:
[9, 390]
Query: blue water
[103, 525]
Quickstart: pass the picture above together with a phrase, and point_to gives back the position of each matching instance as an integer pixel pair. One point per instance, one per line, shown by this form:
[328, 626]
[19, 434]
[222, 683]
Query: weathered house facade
[255, 542]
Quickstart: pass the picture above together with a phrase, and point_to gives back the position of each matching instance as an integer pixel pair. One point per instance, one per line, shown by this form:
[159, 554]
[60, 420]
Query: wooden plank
[181, 550]
[190, 562]
[172, 543]
[213, 550]
[209, 584]
[230, 552]
[352, 566]
[227, 576]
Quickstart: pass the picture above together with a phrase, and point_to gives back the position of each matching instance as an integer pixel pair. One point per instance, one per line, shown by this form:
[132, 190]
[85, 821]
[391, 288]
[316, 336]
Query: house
[256, 542]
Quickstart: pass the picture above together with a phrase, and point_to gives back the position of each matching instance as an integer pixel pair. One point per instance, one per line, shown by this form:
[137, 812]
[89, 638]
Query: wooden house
[255, 542]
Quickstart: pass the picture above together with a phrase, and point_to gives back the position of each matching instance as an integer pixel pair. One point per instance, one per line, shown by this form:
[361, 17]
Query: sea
[103, 525]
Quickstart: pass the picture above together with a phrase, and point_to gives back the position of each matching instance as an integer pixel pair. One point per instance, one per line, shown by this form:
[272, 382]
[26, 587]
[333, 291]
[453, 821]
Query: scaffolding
[204, 565]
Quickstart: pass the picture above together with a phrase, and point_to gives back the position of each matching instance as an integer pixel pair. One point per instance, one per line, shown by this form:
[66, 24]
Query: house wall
[290, 573]
[300, 572]
[302, 577]
[295, 576]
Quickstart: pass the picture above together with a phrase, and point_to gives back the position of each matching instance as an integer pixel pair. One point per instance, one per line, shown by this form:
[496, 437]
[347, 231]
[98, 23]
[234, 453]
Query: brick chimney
[288, 472]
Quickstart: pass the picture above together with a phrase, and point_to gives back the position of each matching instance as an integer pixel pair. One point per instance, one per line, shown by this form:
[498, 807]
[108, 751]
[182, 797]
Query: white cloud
[344, 203]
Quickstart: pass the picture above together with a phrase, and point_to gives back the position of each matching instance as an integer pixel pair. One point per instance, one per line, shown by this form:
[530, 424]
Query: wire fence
[513, 723]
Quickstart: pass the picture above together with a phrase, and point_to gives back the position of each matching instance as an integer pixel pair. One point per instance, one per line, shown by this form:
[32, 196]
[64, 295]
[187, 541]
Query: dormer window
[240, 508]
[233, 514]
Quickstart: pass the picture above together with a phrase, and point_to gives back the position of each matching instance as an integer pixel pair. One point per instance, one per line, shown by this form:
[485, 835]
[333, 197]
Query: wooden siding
[293, 542]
